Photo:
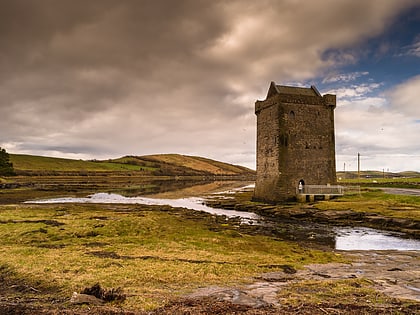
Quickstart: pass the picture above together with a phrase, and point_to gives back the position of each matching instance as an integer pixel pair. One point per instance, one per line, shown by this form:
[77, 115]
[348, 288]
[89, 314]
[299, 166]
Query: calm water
[342, 238]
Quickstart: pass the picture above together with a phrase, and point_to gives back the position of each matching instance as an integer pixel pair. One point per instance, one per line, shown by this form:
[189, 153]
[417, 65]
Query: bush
[6, 167]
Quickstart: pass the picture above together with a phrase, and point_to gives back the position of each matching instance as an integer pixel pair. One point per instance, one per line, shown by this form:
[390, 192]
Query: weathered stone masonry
[295, 141]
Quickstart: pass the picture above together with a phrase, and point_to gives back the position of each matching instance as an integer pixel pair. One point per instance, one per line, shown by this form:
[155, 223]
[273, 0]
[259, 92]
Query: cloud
[344, 77]
[377, 127]
[101, 78]
[404, 98]
[354, 92]
[414, 49]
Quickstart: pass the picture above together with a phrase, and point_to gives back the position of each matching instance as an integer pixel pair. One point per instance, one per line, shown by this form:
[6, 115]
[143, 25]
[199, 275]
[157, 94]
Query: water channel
[340, 238]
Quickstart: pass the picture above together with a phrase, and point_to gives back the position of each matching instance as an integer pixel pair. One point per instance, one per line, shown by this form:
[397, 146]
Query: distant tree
[6, 167]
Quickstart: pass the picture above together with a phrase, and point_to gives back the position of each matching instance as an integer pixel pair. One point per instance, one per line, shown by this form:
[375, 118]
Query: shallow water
[340, 238]
[361, 238]
[193, 203]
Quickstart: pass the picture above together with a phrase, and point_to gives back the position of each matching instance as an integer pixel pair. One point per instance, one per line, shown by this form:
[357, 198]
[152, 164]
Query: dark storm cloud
[85, 52]
[137, 77]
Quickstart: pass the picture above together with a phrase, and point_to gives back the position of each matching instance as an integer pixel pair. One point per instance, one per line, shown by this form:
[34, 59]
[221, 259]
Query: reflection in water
[201, 189]
[174, 189]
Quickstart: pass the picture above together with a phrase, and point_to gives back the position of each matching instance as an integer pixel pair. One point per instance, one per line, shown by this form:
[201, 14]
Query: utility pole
[358, 165]
[344, 170]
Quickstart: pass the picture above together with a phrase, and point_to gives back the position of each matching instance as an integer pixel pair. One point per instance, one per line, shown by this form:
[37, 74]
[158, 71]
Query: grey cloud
[135, 77]
[404, 98]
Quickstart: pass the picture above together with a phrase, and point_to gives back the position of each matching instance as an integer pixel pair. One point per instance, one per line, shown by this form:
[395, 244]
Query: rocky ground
[393, 273]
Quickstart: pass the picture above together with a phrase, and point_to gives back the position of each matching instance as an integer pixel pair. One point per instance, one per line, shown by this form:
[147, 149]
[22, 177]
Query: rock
[268, 208]
[338, 215]
[242, 298]
[275, 277]
[288, 269]
[79, 298]
[376, 219]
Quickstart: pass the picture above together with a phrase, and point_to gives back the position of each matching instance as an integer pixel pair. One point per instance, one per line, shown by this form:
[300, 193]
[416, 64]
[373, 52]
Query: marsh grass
[153, 253]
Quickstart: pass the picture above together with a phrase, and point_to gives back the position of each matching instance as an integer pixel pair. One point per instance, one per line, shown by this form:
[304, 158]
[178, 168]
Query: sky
[101, 79]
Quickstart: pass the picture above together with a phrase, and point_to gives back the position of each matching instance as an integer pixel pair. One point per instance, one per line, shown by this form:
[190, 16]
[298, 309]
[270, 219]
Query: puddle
[370, 239]
[194, 203]
[347, 238]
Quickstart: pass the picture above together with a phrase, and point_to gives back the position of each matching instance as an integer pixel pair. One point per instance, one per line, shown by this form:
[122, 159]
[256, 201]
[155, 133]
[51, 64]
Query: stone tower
[295, 141]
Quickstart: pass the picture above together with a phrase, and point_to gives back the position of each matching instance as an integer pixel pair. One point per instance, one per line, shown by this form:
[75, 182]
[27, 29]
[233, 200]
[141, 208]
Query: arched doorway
[301, 186]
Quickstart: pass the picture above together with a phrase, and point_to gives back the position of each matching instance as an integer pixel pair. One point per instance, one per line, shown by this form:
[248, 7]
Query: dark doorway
[301, 186]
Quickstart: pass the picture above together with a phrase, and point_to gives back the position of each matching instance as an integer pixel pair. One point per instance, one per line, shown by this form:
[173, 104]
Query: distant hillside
[163, 165]
[377, 174]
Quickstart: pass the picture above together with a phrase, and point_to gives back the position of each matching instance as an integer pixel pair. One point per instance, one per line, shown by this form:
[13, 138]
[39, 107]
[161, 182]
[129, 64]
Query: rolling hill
[198, 164]
[162, 164]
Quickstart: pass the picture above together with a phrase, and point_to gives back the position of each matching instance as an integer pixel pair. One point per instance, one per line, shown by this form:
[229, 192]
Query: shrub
[6, 167]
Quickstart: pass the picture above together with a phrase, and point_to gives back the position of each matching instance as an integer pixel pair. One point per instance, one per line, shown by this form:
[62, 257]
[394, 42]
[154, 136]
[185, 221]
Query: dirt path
[395, 273]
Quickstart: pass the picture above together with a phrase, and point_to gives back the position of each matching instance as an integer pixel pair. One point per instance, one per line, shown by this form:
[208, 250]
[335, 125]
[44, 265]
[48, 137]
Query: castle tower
[295, 141]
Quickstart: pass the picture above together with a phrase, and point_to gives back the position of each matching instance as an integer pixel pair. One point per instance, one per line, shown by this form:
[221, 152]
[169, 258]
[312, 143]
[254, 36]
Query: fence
[332, 190]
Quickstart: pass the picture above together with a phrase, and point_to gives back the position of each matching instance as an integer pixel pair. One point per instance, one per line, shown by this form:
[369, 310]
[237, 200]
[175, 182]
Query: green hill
[32, 163]
[162, 164]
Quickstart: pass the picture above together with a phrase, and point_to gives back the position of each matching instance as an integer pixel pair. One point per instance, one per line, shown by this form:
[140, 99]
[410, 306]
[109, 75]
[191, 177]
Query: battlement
[294, 95]
[330, 100]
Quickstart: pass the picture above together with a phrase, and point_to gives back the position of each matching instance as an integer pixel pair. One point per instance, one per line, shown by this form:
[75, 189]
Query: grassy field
[153, 253]
[376, 174]
[383, 182]
[377, 202]
[379, 179]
